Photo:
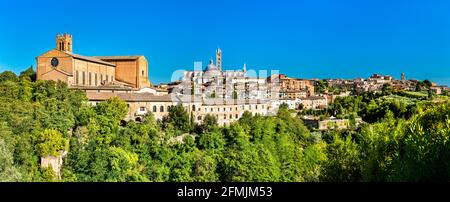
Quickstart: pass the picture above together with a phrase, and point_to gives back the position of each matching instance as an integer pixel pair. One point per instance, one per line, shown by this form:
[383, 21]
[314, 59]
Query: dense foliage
[405, 139]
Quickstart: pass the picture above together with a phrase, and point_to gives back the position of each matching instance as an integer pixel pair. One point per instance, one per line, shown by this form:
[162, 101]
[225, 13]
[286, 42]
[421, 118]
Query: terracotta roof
[130, 57]
[139, 97]
[313, 98]
[148, 97]
[132, 97]
[120, 88]
[221, 101]
[90, 59]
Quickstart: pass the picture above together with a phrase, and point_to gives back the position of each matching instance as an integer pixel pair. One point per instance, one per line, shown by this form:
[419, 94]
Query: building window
[143, 73]
[84, 79]
[154, 108]
[231, 116]
[224, 109]
[101, 78]
[199, 118]
[90, 78]
[256, 107]
[161, 109]
[96, 79]
[193, 108]
[224, 116]
[107, 78]
[142, 109]
[206, 109]
[76, 77]
[236, 116]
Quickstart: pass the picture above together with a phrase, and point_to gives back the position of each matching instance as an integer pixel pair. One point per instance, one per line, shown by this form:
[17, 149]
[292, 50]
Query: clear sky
[301, 38]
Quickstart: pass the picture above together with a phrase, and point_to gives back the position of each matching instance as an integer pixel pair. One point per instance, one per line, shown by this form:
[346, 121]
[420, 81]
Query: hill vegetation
[404, 139]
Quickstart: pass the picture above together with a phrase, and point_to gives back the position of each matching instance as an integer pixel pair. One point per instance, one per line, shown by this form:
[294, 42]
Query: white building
[213, 82]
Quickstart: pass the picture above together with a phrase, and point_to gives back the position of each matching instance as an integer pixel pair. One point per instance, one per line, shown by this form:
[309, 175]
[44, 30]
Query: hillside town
[227, 94]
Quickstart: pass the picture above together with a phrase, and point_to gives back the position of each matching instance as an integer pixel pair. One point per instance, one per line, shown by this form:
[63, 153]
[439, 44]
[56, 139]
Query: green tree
[235, 95]
[8, 171]
[113, 108]
[8, 76]
[50, 142]
[29, 74]
[344, 161]
[179, 118]
[209, 123]
[424, 151]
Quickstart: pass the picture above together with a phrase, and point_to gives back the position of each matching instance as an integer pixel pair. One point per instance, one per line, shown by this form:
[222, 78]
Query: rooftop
[130, 57]
[90, 59]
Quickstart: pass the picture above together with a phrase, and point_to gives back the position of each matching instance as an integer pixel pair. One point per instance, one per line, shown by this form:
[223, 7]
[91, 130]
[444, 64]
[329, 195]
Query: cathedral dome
[211, 66]
[212, 70]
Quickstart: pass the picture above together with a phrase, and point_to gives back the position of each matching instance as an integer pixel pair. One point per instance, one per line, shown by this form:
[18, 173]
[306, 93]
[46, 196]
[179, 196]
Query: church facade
[80, 71]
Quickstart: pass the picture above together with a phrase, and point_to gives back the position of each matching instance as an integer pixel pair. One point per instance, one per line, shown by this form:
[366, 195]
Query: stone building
[330, 123]
[82, 71]
[54, 162]
[292, 88]
[140, 104]
[314, 102]
[214, 82]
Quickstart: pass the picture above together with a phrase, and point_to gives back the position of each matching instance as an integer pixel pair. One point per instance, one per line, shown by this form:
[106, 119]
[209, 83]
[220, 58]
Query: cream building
[140, 104]
[314, 102]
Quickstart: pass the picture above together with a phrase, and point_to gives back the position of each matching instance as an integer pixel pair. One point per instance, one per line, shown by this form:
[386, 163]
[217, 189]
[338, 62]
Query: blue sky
[301, 38]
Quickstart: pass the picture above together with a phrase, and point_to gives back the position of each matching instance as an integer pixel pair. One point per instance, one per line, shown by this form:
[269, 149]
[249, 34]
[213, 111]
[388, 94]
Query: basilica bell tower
[64, 42]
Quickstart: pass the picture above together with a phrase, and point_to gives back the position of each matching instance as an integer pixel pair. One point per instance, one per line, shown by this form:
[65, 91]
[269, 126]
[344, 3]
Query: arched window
[76, 77]
[193, 108]
[84, 79]
[143, 73]
[161, 109]
[154, 108]
[90, 79]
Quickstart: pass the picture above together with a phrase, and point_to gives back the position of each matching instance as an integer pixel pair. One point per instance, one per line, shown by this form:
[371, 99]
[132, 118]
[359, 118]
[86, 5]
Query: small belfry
[64, 42]
[403, 76]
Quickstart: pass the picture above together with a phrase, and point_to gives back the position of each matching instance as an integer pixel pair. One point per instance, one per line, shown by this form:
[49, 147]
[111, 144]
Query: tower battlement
[64, 42]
